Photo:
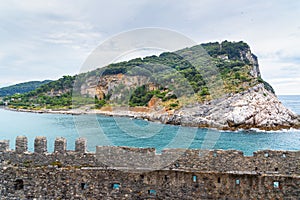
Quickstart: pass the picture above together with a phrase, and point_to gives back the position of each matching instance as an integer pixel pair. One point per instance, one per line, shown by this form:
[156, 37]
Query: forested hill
[21, 87]
[235, 63]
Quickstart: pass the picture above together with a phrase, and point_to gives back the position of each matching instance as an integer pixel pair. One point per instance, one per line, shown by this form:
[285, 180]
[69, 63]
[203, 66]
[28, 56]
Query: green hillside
[21, 88]
[178, 70]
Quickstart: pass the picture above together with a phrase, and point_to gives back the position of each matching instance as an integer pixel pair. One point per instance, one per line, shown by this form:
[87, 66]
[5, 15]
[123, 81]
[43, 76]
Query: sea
[122, 131]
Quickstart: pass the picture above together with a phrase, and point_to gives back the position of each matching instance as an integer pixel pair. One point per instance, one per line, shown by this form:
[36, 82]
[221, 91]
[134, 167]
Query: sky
[47, 39]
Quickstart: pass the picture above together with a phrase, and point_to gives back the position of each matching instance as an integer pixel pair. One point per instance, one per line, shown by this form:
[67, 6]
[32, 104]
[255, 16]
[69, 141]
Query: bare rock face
[255, 72]
[110, 84]
[254, 108]
[260, 108]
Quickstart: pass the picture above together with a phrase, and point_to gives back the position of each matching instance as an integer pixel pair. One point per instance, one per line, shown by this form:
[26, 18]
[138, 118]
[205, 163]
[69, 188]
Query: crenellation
[80, 145]
[4, 145]
[21, 144]
[60, 145]
[112, 172]
[40, 145]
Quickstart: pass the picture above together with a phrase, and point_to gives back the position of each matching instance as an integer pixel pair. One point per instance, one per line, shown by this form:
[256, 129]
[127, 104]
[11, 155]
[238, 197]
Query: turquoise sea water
[103, 130]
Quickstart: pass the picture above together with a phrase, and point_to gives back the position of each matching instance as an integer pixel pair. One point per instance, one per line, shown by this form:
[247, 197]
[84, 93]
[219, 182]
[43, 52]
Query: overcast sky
[47, 39]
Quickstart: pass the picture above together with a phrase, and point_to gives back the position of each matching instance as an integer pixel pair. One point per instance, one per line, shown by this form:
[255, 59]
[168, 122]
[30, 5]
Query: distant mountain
[22, 87]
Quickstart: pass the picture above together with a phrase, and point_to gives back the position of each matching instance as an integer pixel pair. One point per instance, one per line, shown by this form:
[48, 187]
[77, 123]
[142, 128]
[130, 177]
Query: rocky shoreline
[254, 108]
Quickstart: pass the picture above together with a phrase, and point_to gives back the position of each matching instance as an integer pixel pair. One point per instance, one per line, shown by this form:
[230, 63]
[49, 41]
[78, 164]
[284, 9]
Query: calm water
[101, 130]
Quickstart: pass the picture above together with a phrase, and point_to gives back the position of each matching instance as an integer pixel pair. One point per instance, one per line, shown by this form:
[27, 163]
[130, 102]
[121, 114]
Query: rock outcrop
[255, 108]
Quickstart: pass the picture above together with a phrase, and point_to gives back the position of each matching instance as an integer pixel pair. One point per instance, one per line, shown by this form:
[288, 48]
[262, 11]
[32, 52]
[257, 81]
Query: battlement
[266, 161]
[60, 146]
[40, 145]
[140, 173]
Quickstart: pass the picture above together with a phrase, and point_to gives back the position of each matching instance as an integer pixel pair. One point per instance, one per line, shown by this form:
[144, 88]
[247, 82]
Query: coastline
[118, 112]
[79, 111]
[46, 111]
[255, 108]
[148, 116]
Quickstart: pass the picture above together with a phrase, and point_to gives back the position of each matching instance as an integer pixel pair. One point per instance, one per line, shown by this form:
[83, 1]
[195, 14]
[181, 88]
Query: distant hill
[22, 87]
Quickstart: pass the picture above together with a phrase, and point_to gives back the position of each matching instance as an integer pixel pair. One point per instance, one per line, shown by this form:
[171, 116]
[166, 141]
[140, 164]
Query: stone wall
[141, 173]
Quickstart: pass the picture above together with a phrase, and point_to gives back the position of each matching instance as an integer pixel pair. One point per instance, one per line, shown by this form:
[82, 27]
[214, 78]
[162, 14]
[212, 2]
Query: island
[212, 85]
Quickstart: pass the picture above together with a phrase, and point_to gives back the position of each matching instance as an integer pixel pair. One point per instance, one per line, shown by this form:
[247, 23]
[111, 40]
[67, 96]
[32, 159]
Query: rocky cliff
[254, 108]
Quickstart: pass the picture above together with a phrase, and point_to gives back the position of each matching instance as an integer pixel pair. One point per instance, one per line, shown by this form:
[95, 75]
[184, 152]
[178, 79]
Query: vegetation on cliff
[166, 73]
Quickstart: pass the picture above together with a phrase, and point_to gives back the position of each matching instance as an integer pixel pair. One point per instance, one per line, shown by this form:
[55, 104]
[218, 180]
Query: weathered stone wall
[88, 183]
[194, 174]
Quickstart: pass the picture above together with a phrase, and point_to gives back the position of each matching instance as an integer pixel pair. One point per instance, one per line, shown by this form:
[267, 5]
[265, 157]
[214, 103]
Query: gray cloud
[47, 39]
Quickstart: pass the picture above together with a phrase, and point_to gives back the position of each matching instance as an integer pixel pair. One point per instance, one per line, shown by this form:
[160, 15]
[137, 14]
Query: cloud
[287, 86]
[73, 34]
[2, 55]
[47, 39]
